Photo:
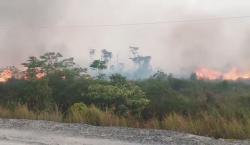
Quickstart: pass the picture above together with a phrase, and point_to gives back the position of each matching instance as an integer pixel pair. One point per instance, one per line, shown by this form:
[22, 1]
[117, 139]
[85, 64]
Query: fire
[233, 75]
[6, 75]
[40, 75]
[208, 74]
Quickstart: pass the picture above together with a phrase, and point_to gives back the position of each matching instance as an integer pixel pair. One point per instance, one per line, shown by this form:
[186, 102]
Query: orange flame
[40, 75]
[207, 74]
[233, 75]
[6, 75]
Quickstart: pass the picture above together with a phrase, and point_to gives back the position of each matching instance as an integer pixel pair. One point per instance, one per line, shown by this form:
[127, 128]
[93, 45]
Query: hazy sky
[31, 27]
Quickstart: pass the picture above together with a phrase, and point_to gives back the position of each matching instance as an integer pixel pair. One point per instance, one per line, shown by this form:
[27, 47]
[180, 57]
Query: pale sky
[32, 27]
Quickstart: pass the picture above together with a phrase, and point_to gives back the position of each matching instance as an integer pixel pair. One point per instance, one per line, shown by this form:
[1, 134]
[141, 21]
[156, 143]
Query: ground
[28, 132]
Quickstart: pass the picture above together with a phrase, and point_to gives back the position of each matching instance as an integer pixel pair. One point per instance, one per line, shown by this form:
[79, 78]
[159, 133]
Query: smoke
[32, 27]
[21, 34]
[218, 45]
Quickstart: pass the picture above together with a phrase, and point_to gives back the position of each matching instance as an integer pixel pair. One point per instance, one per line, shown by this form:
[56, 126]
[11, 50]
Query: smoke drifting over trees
[32, 27]
[106, 63]
[21, 31]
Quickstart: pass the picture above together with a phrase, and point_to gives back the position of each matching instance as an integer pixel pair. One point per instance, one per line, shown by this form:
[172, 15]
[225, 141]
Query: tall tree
[52, 63]
[34, 66]
[99, 65]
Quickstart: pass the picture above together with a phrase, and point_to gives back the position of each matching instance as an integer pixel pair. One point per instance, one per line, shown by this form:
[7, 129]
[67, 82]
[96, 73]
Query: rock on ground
[29, 132]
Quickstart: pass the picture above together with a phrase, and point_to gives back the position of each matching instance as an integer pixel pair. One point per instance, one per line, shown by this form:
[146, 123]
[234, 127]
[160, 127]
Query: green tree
[99, 65]
[53, 63]
[67, 92]
[160, 75]
[107, 96]
[34, 66]
[38, 95]
[117, 79]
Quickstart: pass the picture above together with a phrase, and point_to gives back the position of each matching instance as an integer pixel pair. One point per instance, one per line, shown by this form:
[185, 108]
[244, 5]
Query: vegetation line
[54, 88]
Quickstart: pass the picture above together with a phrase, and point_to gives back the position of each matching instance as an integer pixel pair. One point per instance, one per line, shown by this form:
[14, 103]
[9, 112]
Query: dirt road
[21, 137]
[27, 132]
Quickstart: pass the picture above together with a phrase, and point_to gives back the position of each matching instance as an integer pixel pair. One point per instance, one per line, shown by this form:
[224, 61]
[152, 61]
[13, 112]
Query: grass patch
[203, 124]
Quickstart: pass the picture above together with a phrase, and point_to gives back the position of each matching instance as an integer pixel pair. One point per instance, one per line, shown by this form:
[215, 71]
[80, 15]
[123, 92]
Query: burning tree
[51, 63]
[10, 72]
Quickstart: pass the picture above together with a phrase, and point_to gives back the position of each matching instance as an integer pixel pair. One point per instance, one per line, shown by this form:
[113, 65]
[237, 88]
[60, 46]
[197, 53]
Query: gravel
[30, 132]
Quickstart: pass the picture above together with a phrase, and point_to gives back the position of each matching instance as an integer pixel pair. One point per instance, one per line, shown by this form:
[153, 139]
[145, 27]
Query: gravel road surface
[28, 132]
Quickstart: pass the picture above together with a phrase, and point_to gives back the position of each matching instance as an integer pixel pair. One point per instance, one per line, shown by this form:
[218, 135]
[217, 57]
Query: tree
[160, 75]
[168, 94]
[38, 95]
[117, 79]
[34, 66]
[193, 77]
[142, 63]
[107, 96]
[52, 63]
[69, 91]
[66, 67]
[13, 92]
[106, 55]
[99, 65]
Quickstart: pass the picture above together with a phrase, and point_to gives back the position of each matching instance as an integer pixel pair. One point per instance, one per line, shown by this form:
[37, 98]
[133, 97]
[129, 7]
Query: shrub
[77, 112]
[94, 115]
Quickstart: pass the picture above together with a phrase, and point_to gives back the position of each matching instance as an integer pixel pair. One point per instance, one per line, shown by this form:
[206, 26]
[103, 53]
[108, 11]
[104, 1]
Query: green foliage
[94, 115]
[79, 112]
[117, 79]
[98, 64]
[67, 92]
[35, 93]
[34, 66]
[51, 63]
[159, 75]
[38, 95]
[215, 108]
[79, 108]
[106, 96]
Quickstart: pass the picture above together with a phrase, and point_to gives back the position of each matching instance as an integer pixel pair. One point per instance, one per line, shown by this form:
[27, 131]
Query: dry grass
[203, 124]
[94, 116]
[22, 112]
[208, 125]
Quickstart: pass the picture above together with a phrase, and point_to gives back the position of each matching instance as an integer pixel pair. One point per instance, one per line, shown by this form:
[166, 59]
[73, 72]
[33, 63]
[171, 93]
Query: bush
[79, 112]
[94, 115]
[132, 98]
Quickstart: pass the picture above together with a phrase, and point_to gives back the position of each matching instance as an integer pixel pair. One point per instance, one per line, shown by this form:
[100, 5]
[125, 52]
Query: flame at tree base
[232, 75]
[9, 73]
[5, 75]
[202, 73]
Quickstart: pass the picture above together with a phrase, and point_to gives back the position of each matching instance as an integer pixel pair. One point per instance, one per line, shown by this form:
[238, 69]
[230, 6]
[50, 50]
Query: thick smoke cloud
[32, 27]
[216, 45]
[21, 32]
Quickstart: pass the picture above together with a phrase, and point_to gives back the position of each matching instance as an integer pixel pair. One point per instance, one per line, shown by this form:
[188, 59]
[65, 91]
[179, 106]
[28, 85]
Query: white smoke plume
[32, 27]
